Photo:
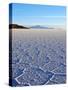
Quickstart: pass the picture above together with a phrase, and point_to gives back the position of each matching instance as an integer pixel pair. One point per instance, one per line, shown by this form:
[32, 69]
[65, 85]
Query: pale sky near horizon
[35, 14]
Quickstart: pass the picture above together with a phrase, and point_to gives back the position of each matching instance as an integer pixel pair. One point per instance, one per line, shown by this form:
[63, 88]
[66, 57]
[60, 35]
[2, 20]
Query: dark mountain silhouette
[16, 26]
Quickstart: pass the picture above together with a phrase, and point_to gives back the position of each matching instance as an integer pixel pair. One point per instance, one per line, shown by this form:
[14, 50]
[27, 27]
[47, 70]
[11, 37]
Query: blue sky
[30, 14]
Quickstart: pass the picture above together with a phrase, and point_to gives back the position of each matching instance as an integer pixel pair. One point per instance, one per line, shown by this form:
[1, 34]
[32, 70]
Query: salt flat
[38, 56]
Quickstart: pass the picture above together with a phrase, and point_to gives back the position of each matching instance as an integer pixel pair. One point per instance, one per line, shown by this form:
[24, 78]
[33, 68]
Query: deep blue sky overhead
[30, 14]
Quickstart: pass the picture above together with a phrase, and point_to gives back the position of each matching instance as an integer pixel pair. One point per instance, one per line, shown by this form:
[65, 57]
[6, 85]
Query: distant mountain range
[16, 26]
[39, 27]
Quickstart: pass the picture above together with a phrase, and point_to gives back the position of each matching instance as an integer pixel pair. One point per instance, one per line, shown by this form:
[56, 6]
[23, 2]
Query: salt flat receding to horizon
[42, 33]
[38, 57]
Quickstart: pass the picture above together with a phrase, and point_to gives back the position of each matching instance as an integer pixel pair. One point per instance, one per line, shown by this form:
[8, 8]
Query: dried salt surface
[38, 57]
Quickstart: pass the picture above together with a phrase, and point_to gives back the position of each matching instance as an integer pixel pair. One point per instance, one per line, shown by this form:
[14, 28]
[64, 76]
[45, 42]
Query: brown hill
[11, 26]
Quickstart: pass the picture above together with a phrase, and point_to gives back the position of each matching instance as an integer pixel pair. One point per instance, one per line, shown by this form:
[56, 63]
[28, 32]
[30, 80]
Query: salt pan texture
[38, 57]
